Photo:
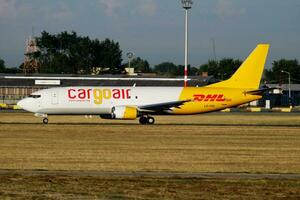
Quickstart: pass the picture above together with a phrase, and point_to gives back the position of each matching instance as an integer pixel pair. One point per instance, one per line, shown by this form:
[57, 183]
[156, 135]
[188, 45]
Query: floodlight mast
[129, 56]
[187, 5]
[290, 94]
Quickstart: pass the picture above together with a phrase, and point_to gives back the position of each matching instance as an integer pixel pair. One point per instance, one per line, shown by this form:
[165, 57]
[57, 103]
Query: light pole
[186, 4]
[290, 96]
[129, 56]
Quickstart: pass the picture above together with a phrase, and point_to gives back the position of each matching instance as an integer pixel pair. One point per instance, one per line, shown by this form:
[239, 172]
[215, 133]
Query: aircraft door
[39, 103]
[54, 98]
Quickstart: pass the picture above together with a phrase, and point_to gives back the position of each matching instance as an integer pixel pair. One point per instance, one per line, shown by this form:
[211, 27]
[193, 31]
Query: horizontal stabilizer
[260, 91]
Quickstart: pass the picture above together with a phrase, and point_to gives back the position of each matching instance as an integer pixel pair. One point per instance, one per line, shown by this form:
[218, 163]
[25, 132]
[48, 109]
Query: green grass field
[239, 142]
[201, 143]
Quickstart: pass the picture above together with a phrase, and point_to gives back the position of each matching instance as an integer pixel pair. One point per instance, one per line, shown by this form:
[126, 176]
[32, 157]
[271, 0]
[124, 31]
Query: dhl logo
[98, 94]
[209, 97]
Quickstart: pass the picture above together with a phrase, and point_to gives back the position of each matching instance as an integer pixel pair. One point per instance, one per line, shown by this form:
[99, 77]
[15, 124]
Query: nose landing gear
[146, 120]
[44, 116]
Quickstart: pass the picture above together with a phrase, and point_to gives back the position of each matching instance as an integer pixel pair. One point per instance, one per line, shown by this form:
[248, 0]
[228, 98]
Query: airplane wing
[161, 107]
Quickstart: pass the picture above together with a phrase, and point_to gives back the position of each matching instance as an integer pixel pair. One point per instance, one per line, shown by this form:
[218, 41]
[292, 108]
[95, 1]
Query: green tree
[167, 68]
[171, 69]
[211, 67]
[223, 69]
[227, 67]
[4, 69]
[2, 66]
[69, 53]
[111, 55]
[56, 52]
[140, 65]
[274, 75]
[192, 71]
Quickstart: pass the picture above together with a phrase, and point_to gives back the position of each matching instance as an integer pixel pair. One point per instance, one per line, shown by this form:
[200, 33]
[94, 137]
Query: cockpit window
[35, 96]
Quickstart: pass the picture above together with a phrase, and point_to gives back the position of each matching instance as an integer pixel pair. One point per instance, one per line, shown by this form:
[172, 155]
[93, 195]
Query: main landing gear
[146, 120]
[45, 120]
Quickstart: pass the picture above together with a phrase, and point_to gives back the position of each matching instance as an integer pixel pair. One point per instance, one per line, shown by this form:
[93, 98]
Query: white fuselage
[103, 100]
[96, 100]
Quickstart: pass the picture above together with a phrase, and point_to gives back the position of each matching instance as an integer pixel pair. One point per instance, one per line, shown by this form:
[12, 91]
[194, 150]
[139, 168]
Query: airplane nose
[21, 104]
[27, 104]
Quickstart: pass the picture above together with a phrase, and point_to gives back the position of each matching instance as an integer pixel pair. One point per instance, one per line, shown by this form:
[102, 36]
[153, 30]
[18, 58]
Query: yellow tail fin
[249, 73]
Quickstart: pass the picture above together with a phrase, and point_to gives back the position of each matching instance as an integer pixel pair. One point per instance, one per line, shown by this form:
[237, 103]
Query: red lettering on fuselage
[220, 98]
[99, 94]
[71, 94]
[127, 94]
[89, 93]
[81, 93]
[116, 94]
[209, 97]
[199, 97]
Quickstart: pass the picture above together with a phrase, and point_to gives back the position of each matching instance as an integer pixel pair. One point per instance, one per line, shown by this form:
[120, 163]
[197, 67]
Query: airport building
[282, 98]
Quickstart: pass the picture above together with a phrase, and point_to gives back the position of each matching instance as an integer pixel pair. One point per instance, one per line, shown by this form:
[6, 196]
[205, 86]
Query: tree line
[70, 53]
[278, 71]
[164, 68]
[5, 69]
[224, 69]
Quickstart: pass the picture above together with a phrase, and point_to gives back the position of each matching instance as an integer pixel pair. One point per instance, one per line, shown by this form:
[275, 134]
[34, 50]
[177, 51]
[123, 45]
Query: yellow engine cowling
[125, 112]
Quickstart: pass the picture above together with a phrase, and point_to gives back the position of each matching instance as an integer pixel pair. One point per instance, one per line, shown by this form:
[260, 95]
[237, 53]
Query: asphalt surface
[141, 174]
[156, 124]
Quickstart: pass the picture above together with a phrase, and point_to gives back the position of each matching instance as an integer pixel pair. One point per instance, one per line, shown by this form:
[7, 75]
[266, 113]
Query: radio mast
[31, 63]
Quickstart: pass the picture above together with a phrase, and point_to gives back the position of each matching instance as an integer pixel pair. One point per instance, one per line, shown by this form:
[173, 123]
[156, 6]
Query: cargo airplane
[130, 103]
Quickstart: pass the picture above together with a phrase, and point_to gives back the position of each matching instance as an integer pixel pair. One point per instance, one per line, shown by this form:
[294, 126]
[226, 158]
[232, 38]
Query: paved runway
[157, 124]
[141, 174]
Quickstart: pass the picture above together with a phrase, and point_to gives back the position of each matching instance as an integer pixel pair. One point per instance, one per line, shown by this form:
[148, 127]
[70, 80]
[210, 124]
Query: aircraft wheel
[45, 120]
[143, 120]
[150, 120]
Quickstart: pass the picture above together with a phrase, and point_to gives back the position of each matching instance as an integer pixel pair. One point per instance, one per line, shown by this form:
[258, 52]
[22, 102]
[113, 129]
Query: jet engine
[122, 112]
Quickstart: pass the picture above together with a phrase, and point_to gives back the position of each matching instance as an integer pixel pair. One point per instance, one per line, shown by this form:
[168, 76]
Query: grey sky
[153, 29]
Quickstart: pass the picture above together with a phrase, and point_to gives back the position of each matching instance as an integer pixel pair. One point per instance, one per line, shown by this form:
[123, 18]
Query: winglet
[249, 73]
